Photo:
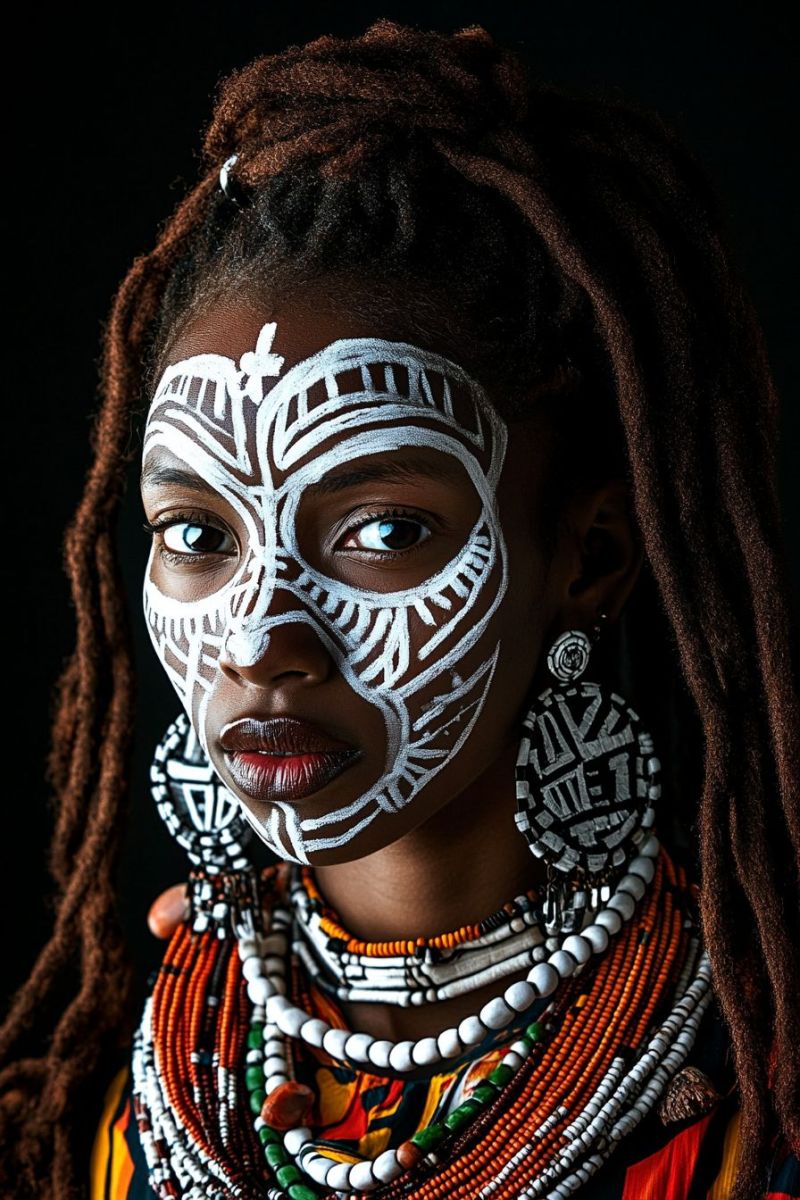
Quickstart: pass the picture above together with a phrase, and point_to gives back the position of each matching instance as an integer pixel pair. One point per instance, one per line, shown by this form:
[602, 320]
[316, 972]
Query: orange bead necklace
[589, 1069]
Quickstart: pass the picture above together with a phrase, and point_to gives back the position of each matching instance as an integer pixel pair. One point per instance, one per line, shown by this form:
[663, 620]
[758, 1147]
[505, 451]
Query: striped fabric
[361, 1114]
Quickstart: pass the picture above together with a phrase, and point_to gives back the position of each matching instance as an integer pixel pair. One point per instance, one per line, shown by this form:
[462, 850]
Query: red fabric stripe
[667, 1174]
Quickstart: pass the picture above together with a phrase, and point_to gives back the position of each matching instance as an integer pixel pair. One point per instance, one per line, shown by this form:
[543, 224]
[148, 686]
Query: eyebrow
[158, 475]
[399, 470]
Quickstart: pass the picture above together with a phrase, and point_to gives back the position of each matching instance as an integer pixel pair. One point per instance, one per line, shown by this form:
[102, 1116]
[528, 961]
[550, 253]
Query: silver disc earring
[586, 782]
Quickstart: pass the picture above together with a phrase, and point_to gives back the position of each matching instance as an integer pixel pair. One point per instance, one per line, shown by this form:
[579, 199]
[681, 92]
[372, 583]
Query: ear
[598, 559]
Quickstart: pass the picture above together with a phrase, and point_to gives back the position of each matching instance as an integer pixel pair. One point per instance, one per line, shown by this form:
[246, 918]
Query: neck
[460, 865]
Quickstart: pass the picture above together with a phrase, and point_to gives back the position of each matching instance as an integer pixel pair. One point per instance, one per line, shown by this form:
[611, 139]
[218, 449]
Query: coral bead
[168, 910]
[288, 1106]
[408, 1155]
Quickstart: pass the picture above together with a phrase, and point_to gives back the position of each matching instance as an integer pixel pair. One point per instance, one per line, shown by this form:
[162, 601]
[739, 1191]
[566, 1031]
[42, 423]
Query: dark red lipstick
[282, 758]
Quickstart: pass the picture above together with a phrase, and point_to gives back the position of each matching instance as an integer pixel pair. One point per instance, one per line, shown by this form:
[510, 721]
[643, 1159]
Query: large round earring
[586, 783]
[205, 819]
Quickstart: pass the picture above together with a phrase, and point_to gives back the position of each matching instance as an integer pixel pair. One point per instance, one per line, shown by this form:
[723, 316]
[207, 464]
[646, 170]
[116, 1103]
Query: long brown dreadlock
[557, 238]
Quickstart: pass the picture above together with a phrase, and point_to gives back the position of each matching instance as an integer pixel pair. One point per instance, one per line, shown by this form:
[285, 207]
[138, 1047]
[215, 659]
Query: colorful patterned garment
[364, 1113]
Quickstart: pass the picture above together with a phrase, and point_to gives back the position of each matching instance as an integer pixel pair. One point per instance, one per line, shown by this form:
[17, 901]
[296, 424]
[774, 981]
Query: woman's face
[346, 541]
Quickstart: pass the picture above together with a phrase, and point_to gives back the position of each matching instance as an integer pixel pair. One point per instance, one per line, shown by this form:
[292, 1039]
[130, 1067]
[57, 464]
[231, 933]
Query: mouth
[283, 758]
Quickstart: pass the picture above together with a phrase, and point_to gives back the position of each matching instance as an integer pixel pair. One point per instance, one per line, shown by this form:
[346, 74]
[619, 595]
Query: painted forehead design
[332, 391]
[259, 438]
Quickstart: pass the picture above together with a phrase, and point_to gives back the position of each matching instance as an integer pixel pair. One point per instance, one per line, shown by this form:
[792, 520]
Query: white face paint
[254, 436]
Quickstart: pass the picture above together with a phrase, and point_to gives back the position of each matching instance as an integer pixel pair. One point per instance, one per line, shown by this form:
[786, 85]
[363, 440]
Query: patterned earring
[586, 783]
[205, 819]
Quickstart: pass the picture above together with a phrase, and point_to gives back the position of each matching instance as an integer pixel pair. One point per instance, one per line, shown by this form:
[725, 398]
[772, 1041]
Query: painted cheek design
[254, 436]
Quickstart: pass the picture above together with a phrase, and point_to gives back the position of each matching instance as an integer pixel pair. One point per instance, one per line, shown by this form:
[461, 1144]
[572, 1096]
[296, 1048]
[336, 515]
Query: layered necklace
[591, 1036]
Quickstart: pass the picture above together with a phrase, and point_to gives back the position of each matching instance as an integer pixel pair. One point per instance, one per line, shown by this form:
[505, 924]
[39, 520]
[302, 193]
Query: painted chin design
[240, 428]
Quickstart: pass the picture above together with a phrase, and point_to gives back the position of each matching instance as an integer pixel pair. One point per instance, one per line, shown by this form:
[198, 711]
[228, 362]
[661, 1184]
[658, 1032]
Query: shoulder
[117, 1167]
[693, 1149]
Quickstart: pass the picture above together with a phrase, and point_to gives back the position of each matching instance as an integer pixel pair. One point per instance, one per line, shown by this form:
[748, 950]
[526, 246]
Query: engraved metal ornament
[586, 780]
[201, 814]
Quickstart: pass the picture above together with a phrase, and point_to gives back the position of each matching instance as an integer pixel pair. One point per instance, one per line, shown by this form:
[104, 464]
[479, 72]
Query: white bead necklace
[266, 986]
[622, 1099]
[514, 941]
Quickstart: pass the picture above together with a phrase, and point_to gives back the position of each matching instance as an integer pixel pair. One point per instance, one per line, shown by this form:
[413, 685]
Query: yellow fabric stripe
[723, 1184]
[109, 1149]
[439, 1085]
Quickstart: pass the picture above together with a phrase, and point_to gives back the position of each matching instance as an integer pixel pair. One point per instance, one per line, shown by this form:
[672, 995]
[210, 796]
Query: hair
[573, 253]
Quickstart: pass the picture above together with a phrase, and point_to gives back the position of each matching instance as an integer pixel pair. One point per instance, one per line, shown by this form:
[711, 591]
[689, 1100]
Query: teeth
[284, 754]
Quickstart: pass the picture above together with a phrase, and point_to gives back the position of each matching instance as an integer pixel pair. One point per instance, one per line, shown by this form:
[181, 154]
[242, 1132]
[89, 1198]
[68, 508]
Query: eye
[387, 533]
[184, 536]
[188, 535]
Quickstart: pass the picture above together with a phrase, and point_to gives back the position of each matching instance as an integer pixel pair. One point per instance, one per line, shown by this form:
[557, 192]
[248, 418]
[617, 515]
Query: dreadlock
[572, 252]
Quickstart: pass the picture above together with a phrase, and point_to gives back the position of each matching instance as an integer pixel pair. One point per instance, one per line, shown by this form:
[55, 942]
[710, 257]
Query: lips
[283, 758]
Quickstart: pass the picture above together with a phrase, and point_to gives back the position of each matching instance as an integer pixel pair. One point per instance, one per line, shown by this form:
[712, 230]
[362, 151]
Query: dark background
[108, 113]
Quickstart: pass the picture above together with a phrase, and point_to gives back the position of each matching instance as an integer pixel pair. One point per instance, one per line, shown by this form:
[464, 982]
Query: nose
[280, 645]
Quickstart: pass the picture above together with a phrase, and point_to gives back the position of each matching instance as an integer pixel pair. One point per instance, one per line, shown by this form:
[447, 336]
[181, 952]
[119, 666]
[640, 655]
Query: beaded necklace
[577, 1079]
[415, 972]
[434, 947]
[548, 965]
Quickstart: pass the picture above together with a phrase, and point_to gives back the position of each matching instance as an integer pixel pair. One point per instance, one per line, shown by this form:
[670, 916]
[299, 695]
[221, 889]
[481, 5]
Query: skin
[453, 853]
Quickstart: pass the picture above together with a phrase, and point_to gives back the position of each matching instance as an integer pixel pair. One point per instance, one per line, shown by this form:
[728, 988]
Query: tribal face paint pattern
[254, 435]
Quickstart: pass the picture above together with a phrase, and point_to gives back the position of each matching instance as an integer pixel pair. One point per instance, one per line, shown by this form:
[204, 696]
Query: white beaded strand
[622, 1100]
[412, 979]
[542, 981]
[186, 1164]
[285, 1018]
[366, 1174]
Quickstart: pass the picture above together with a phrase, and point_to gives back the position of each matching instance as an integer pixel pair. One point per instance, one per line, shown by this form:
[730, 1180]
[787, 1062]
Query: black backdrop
[108, 112]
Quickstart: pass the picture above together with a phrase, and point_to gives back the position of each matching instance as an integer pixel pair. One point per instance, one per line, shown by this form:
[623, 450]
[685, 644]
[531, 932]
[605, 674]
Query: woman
[458, 461]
